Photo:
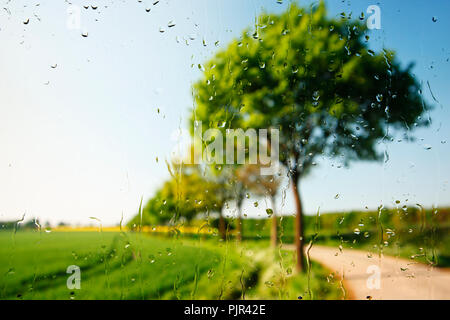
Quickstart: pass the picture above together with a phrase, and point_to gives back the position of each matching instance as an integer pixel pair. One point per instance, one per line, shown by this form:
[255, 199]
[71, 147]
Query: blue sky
[82, 139]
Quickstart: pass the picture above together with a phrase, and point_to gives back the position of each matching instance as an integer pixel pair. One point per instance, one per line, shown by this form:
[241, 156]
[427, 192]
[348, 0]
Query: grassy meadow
[127, 265]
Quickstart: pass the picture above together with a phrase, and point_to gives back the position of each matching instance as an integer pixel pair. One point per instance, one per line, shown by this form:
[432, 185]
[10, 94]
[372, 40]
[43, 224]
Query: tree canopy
[181, 198]
[316, 80]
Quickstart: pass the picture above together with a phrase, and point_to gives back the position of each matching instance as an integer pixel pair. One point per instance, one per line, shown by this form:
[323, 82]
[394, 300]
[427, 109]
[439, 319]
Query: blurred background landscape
[99, 102]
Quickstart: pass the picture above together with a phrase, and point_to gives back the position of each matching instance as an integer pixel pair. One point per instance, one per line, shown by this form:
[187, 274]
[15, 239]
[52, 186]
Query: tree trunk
[239, 226]
[274, 231]
[299, 238]
[239, 229]
[222, 227]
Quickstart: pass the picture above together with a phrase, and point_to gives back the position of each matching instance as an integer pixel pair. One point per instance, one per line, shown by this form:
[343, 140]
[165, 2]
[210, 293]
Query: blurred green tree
[316, 80]
[180, 199]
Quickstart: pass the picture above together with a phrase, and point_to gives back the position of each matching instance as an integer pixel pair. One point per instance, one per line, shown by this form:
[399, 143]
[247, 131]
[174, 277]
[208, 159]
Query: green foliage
[316, 80]
[408, 231]
[32, 224]
[261, 185]
[183, 197]
[399, 219]
[7, 225]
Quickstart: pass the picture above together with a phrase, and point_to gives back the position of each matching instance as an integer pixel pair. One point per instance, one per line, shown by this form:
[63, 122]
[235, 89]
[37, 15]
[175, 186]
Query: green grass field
[136, 266]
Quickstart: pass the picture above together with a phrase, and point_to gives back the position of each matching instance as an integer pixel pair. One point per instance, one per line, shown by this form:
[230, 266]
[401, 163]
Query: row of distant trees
[204, 192]
[26, 225]
[316, 80]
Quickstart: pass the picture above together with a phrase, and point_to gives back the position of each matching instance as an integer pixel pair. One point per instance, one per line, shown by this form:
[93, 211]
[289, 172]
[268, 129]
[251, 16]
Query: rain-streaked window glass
[224, 150]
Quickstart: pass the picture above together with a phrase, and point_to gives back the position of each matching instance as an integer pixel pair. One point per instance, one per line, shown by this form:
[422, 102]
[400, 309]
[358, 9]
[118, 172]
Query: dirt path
[398, 278]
